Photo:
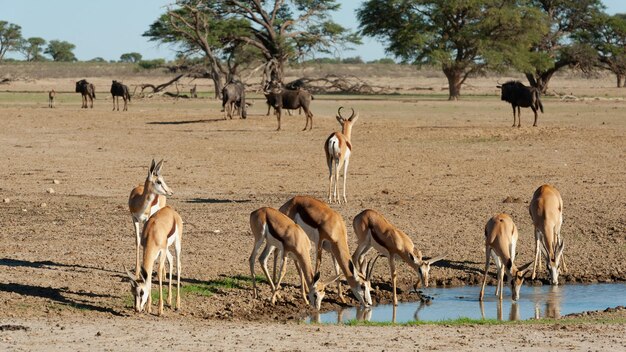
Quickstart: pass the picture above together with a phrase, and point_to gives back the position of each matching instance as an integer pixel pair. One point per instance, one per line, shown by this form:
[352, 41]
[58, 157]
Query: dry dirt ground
[436, 169]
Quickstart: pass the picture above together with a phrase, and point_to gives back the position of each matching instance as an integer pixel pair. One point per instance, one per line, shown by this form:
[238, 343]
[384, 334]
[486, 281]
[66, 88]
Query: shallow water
[457, 302]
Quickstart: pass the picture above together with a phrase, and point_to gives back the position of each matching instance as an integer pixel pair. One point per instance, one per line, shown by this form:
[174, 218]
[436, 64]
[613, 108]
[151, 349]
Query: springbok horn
[370, 267]
[351, 116]
[339, 111]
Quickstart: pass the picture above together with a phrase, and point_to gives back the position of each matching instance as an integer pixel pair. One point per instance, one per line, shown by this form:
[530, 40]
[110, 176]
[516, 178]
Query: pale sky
[111, 28]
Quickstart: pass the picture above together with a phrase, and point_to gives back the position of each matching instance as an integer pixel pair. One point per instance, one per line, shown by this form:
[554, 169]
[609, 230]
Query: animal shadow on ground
[46, 264]
[57, 295]
[459, 265]
[184, 122]
[216, 201]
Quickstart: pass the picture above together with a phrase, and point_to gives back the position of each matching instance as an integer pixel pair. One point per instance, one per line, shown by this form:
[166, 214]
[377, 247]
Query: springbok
[546, 211]
[500, 242]
[374, 231]
[51, 95]
[163, 229]
[282, 234]
[338, 149]
[327, 230]
[146, 200]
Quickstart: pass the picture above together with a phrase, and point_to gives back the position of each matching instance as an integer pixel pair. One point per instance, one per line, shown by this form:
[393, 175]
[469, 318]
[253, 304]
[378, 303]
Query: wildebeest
[234, 97]
[51, 95]
[519, 95]
[119, 90]
[281, 98]
[293, 85]
[88, 92]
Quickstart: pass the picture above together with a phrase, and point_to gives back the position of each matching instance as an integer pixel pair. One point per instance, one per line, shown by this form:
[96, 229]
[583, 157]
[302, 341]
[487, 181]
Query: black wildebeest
[519, 95]
[234, 97]
[88, 92]
[281, 98]
[293, 85]
[119, 90]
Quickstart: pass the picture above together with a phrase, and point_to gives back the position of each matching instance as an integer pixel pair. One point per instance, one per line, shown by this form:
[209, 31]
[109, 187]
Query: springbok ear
[331, 280]
[525, 266]
[316, 278]
[152, 166]
[158, 168]
[436, 259]
[340, 119]
[133, 278]
[355, 117]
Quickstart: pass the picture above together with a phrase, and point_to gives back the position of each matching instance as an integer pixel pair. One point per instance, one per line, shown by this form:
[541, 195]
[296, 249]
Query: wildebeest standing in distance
[234, 97]
[519, 95]
[280, 98]
[293, 85]
[119, 90]
[88, 92]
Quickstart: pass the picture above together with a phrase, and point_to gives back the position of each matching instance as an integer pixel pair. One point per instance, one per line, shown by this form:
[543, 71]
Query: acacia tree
[61, 50]
[284, 30]
[608, 39]
[557, 49]
[464, 37]
[201, 27]
[229, 33]
[10, 38]
[32, 48]
[131, 57]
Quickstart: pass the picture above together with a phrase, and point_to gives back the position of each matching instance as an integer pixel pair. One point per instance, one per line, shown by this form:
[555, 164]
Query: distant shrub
[353, 60]
[151, 64]
[384, 61]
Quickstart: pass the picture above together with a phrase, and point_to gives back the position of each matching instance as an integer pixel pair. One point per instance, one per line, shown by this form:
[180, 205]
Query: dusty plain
[436, 169]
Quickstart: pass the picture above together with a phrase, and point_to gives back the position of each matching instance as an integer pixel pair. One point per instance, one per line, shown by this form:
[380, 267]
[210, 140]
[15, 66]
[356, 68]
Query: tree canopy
[131, 57]
[229, 33]
[10, 37]
[32, 48]
[557, 48]
[61, 50]
[463, 37]
[607, 40]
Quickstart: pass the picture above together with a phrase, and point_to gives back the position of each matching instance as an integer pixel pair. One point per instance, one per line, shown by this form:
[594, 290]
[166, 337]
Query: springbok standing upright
[146, 200]
[51, 95]
[163, 229]
[338, 149]
[374, 231]
[500, 242]
[546, 211]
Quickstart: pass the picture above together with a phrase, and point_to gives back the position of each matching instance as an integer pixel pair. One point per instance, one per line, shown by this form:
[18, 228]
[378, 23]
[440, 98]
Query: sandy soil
[434, 168]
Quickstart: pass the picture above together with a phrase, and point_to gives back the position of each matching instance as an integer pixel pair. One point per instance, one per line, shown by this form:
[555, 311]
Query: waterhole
[535, 302]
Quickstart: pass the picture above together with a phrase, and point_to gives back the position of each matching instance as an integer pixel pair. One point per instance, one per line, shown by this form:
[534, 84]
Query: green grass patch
[200, 288]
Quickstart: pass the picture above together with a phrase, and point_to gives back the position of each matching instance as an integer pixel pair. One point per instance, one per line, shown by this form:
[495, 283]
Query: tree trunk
[454, 83]
[540, 80]
[218, 84]
[620, 80]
